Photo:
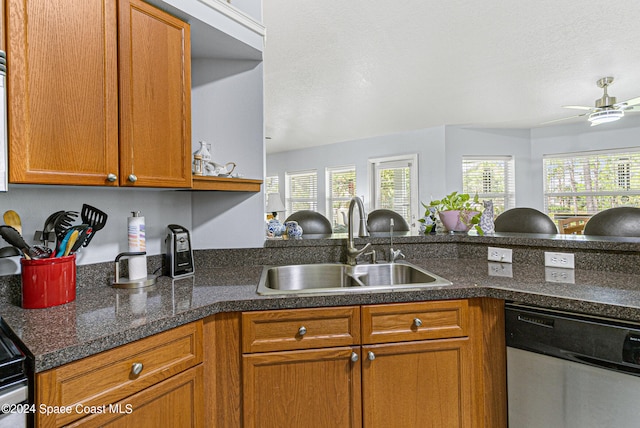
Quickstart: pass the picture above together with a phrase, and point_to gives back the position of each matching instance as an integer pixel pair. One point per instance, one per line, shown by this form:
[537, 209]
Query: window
[395, 186]
[271, 184]
[301, 191]
[490, 178]
[584, 183]
[341, 187]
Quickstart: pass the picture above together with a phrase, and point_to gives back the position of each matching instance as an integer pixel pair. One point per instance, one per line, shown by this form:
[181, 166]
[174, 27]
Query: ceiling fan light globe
[605, 116]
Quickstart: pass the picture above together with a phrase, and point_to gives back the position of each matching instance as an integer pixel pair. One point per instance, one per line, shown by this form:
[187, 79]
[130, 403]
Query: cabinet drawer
[109, 376]
[415, 321]
[282, 330]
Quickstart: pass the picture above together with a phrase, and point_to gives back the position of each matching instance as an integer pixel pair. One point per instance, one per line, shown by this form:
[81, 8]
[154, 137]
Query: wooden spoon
[11, 218]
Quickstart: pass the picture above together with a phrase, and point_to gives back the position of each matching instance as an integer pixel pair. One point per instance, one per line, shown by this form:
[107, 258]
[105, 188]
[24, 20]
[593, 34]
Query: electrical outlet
[560, 260]
[554, 274]
[502, 255]
[500, 269]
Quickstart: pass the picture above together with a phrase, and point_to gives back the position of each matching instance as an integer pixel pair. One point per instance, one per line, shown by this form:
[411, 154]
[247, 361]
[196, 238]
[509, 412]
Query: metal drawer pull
[354, 357]
[302, 331]
[112, 177]
[371, 356]
[417, 322]
[136, 368]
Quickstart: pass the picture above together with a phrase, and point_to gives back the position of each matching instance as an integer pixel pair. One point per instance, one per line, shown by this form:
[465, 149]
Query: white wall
[159, 208]
[441, 149]
[427, 143]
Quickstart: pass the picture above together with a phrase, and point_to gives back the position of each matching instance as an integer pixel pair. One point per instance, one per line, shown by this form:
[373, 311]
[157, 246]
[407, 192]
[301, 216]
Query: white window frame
[338, 219]
[509, 185]
[617, 197]
[289, 200]
[397, 161]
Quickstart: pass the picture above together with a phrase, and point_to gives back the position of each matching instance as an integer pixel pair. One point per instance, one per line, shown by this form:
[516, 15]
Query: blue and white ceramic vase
[294, 230]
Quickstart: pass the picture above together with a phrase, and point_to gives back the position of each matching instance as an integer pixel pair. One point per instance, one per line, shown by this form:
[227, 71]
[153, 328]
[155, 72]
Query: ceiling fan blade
[579, 107]
[564, 118]
[630, 103]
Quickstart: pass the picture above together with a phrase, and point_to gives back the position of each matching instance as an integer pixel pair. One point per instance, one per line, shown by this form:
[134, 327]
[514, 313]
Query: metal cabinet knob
[136, 368]
[371, 356]
[302, 331]
[354, 357]
[417, 322]
[132, 178]
[112, 177]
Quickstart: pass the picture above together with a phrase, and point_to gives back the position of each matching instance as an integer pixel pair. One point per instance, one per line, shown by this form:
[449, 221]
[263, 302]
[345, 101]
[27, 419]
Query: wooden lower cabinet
[160, 376]
[443, 367]
[417, 384]
[176, 402]
[310, 388]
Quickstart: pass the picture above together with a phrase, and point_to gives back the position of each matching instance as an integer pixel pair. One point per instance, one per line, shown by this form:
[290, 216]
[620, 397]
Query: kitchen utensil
[95, 218]
[84, 230]
[9, 251]
[12, 219]
[62, 225]
[12, 237]
[70, 242]
[40, 252]
[62, 245]
[48, 227]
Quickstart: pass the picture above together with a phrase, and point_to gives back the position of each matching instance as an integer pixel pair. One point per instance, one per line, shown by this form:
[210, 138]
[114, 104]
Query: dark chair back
[311, 222]
[525, 220]
[618, 221]
[379, 221]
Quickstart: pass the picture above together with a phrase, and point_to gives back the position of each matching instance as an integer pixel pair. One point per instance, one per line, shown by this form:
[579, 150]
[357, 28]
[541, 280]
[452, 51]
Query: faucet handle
[394, 254]
[372, 253]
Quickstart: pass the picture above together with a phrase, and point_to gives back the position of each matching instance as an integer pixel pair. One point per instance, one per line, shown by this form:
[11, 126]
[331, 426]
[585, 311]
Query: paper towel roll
[137, 243]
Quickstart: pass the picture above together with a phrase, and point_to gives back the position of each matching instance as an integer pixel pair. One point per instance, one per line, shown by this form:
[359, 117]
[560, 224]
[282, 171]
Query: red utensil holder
[48, 282]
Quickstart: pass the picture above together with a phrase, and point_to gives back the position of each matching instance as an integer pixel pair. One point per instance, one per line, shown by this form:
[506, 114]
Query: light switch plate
[559, 260]
[502, 255]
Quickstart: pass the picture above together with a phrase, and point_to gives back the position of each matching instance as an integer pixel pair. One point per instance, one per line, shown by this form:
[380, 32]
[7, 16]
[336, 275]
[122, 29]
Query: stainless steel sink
[342, 278]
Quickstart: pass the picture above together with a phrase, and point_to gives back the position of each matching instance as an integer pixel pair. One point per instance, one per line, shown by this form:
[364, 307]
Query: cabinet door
[62, 91]
[417, 384]
[155, 97]
[308, 388]
[176, 402]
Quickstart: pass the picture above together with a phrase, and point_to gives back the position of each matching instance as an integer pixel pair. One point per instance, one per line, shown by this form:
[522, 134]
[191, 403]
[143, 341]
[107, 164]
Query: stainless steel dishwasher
[567, 370]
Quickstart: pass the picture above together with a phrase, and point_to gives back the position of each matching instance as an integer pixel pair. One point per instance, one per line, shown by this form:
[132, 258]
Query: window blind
[272, 184]
[393, 191]
[301, 191]
[490, 178]
[341, 186]
[583, 183]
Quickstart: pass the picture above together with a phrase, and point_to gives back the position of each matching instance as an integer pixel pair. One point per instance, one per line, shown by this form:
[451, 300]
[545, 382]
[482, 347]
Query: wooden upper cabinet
[155, 97]
[62, 91]
[98, 95]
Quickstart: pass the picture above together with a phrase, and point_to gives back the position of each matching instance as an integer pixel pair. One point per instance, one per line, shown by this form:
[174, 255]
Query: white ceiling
[339, 70]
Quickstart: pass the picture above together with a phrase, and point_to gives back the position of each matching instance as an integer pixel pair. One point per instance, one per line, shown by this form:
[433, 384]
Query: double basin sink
[343, 278]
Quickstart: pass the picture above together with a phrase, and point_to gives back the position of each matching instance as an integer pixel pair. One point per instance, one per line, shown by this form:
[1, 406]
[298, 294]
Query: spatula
[11, 218]
[95, 218]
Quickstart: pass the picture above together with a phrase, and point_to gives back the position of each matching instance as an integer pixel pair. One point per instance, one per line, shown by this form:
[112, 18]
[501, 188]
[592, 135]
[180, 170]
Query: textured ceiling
[339, 70]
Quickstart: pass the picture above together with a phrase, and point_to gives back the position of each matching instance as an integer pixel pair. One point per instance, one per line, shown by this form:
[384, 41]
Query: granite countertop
[103, 317]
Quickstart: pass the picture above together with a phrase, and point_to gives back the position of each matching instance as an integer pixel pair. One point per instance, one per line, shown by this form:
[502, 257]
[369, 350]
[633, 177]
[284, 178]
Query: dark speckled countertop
[102, 317]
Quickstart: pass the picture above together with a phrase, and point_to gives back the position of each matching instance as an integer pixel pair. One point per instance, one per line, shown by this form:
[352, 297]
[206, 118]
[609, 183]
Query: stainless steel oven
[15, 410]
[567, 370]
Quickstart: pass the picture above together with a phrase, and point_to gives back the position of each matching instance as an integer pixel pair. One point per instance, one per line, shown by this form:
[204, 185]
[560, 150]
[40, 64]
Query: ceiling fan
[606, 109]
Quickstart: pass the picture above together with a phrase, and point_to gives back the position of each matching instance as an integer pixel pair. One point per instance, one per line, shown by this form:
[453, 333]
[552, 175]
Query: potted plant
[459, 212]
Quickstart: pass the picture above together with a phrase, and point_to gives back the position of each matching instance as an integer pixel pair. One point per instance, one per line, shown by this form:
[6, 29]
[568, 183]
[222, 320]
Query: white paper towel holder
[131, 283]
